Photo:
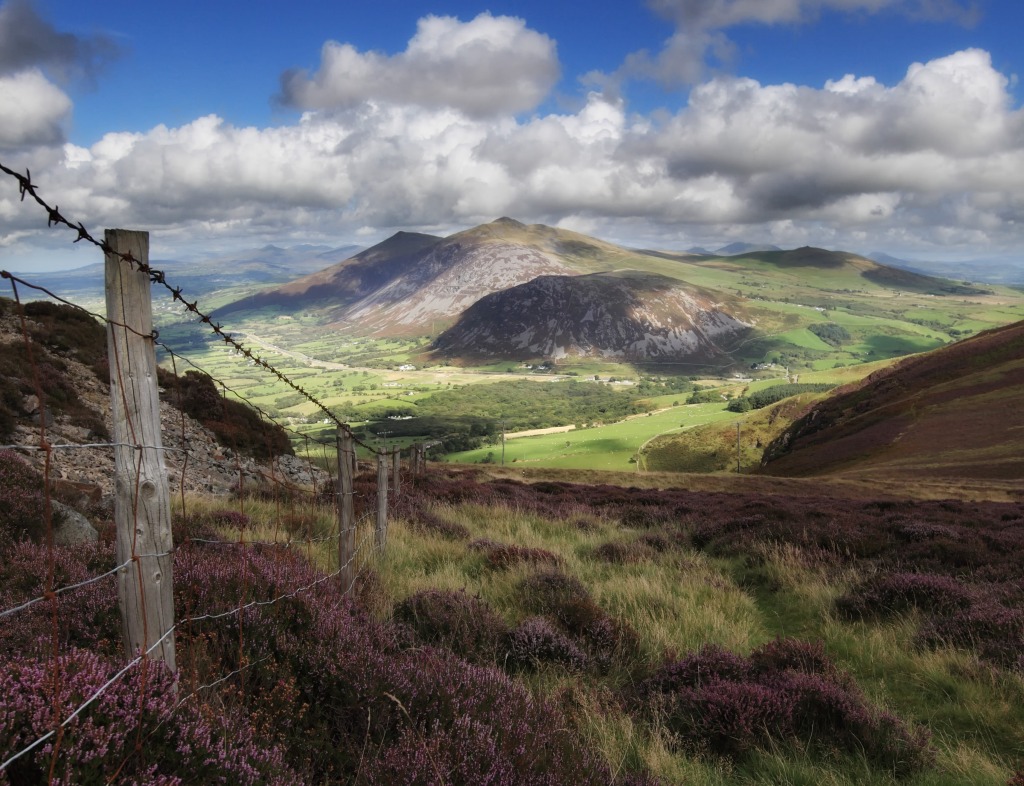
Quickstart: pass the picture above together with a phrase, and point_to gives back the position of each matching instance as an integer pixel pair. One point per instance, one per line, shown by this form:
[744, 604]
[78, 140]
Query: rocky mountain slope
[626, 315]
[411, 282]
[70, 357]
[956, 411]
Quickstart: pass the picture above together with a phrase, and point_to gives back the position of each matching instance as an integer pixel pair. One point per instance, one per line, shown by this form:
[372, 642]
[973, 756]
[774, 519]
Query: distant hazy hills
[734, 249]
[253, 268]
[956, 411]
[983, 271]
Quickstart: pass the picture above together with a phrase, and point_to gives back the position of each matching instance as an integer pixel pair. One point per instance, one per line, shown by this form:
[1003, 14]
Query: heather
[786, 692]
[556, 634]
[22, 503]
[317, 689]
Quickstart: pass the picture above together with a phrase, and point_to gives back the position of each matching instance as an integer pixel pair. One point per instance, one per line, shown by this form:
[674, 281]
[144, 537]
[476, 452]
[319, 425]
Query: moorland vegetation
[549, 633]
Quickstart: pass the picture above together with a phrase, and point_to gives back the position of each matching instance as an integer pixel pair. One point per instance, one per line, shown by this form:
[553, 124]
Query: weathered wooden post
[142, 510]
[416, 459]
[382, 501]
[346, 515]
[396, 468]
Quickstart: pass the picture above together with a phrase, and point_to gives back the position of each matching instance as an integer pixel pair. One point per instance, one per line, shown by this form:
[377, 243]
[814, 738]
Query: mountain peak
[505, 220]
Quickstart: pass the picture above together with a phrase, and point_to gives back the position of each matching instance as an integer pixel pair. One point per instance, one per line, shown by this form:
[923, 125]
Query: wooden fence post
[416, 459]
[142, 510]
[346, 515]
[396, 468]
[382, 500]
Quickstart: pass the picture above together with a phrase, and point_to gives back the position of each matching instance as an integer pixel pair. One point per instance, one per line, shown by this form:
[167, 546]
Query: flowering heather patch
[461, 725]
[993, 631]
[550, 590]
[646, 516]
[621, 553]
[936, 537]
[360, 689]
[975, 617]
[456, 621]
[231, 519]
[565, 599]
[585, 525]
[720, 703]
[806, 657]
[505, 555]
[190, 744]
[87, 617]
[22, 505]
[896, 593]
[536, 641]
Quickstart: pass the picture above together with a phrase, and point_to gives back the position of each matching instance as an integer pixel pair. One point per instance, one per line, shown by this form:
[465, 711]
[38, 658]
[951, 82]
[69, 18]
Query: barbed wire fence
[150, 541]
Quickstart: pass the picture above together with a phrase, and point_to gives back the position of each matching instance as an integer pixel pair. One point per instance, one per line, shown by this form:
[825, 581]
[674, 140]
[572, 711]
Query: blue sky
[888, 125]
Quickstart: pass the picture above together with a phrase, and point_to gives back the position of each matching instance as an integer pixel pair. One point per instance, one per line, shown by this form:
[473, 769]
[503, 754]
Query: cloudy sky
[891, 125]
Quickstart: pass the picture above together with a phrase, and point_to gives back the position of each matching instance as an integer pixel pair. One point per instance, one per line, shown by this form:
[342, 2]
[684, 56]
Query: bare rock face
[195, 461]
[630, 316]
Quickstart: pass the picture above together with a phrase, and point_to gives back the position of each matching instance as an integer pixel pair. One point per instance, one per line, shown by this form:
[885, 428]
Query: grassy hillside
[951, 413]
[611, 447]
[712, 447]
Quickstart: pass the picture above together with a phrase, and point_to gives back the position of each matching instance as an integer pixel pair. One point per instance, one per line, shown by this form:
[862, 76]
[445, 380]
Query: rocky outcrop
[70, 527]
[83, 463]
[631, 316]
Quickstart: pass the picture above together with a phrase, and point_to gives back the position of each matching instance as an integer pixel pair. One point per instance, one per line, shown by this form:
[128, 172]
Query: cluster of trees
[524, 404]
[768, 396]
[831, 333]
[484, 410]
[660, 386]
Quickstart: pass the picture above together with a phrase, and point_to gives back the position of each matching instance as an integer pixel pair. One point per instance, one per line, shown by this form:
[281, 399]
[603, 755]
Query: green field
[611, 447]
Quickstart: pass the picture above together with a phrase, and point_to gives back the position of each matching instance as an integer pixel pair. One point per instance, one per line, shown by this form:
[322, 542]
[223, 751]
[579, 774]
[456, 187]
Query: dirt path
[534, 432]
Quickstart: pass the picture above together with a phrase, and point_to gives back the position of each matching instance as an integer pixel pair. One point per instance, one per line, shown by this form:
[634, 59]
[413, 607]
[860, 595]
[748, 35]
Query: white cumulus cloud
[487, 66]
[936, 158]
[32, 110]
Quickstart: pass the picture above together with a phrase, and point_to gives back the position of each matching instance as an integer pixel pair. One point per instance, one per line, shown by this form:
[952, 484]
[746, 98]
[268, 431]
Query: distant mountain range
[507, 290]
[510, 290]
[199, 277]
[983, 271]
